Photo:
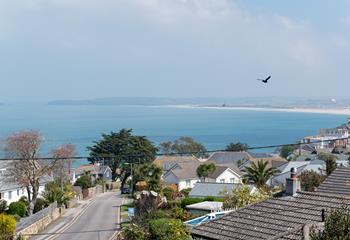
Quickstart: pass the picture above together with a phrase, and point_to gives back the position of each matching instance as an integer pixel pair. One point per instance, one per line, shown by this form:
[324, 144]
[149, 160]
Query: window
[10, 195]
[232, 180]
[17, 192]
[222, 180]
[188, 183]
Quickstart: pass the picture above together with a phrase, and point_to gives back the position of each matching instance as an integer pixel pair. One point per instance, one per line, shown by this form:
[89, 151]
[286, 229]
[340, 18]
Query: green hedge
[189, 201]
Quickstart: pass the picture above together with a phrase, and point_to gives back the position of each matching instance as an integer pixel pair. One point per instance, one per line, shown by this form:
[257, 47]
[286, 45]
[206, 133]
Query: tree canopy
[204, 170]
[337, 226]
[117, 148]
[331, 161]
[183, 145]
[259, 172]
[310, 180]
[150, 173]
[286, 151]
[236, 147]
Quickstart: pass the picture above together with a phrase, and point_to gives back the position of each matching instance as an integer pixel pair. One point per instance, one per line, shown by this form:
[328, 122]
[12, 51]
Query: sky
[84, 49]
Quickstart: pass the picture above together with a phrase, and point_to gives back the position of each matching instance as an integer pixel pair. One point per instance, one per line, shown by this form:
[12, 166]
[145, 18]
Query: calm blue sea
[81, 125]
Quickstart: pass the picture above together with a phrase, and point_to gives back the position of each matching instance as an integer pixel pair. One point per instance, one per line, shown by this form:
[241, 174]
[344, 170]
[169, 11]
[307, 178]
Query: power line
[102, 157]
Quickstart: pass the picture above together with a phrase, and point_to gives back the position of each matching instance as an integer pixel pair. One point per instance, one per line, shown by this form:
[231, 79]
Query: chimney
[292, 183]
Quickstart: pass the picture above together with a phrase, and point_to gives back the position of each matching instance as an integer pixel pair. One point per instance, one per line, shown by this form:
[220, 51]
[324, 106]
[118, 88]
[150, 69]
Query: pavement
[96, 219]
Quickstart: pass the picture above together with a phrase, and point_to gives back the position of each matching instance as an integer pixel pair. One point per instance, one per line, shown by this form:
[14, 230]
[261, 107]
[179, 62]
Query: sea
[215, 128]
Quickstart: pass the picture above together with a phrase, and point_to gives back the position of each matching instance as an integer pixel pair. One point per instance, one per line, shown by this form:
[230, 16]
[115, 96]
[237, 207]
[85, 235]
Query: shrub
[3, 206]
[24, 200]
[310, 180]
[40, 204]
[186, 191]
[17, 208]
[189, 201]
[134, 232]
[168, 229]
[84, 182]
[7, 226]
[168, 193]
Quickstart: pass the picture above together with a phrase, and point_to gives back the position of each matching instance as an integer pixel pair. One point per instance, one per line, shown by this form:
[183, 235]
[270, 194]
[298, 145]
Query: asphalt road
[98, 222]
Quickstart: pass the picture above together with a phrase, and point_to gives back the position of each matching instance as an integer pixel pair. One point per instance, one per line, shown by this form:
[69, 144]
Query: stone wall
[39, 221]
[90, 192]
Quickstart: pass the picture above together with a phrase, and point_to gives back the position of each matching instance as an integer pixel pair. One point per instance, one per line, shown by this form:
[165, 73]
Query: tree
[337, 225]
[286, 151]
[168, 229]
[17, 208]
[150, 173]
[204, 170]
[242, 196]
[331, 161]
[183, 145]
[237, 147]
[310, 180]
[84, 182]
[64, 159]
[27, 171]
[259, 173]
[117, 148]
[7, 227]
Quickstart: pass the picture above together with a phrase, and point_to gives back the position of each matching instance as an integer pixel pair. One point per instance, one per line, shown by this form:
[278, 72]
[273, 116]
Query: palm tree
[259, 173]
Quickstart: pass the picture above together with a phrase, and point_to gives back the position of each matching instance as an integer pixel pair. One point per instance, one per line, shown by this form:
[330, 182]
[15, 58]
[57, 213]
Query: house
[223, 174]
[182, 175]
[279, 179]
[168, 162]
[213, 189]
[236, 158]
[287, 217]
[11, 191]
[96, 170]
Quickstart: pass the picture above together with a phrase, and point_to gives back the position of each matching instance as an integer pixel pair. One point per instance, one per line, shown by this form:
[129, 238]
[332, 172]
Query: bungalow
[11, 191]
[182, 175]
[96, 170]
[168, 162]
[223, 174]
[213, 189]
[287, 217]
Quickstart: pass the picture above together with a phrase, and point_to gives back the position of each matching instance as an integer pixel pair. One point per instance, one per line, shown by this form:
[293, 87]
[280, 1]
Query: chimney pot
[292, 183]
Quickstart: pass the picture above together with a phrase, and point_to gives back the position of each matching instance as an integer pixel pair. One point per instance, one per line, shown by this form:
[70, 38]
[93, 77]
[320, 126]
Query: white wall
[227, 175]
[14, 195]
[187, 184]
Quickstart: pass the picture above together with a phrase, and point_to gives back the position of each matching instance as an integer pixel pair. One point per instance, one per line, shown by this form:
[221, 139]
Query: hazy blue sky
[74, 49]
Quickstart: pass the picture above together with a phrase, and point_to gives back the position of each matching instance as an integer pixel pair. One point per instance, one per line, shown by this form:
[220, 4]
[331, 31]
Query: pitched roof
[167, 162]
[229, 157]
[204, 189]
[185, 170]
[218, 171]
[275, 218]
[337, 183]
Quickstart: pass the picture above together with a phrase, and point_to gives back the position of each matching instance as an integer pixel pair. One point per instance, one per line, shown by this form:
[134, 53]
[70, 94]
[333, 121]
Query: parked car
[125, 190]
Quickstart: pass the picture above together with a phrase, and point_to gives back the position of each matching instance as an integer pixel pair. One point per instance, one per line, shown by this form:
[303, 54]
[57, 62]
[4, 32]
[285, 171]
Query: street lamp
[132, 179]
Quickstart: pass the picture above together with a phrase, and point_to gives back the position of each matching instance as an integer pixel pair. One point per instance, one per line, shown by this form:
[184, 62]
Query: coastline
[333, 111]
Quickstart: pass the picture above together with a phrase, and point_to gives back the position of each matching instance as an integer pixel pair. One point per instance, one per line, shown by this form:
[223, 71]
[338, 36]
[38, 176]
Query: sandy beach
[336, 111]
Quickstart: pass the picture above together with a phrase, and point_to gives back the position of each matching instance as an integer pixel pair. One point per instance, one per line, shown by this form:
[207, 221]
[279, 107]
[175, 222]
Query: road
[98, 222]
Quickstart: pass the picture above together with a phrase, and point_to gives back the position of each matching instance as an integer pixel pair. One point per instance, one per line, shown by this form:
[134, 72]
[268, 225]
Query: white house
[224, 174]
[182, 175]
[11, 191]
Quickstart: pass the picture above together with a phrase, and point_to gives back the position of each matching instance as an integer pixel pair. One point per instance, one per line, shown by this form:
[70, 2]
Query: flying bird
[264, 80]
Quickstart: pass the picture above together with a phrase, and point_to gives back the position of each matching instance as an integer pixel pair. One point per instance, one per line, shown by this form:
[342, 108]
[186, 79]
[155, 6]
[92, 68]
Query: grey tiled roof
[337, 183]
[204, 189]
[229, 157]
[275, 218]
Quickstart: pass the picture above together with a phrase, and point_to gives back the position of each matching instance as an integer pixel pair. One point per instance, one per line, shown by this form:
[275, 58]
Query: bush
[168, 229]
[40, 204]
[189, 201]
[134, 232]
[7, 226]
[186, 191]
[310, 180]
[24, 200]
[84, 182]
[3, 206]
[17, 208]
[168, 193]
